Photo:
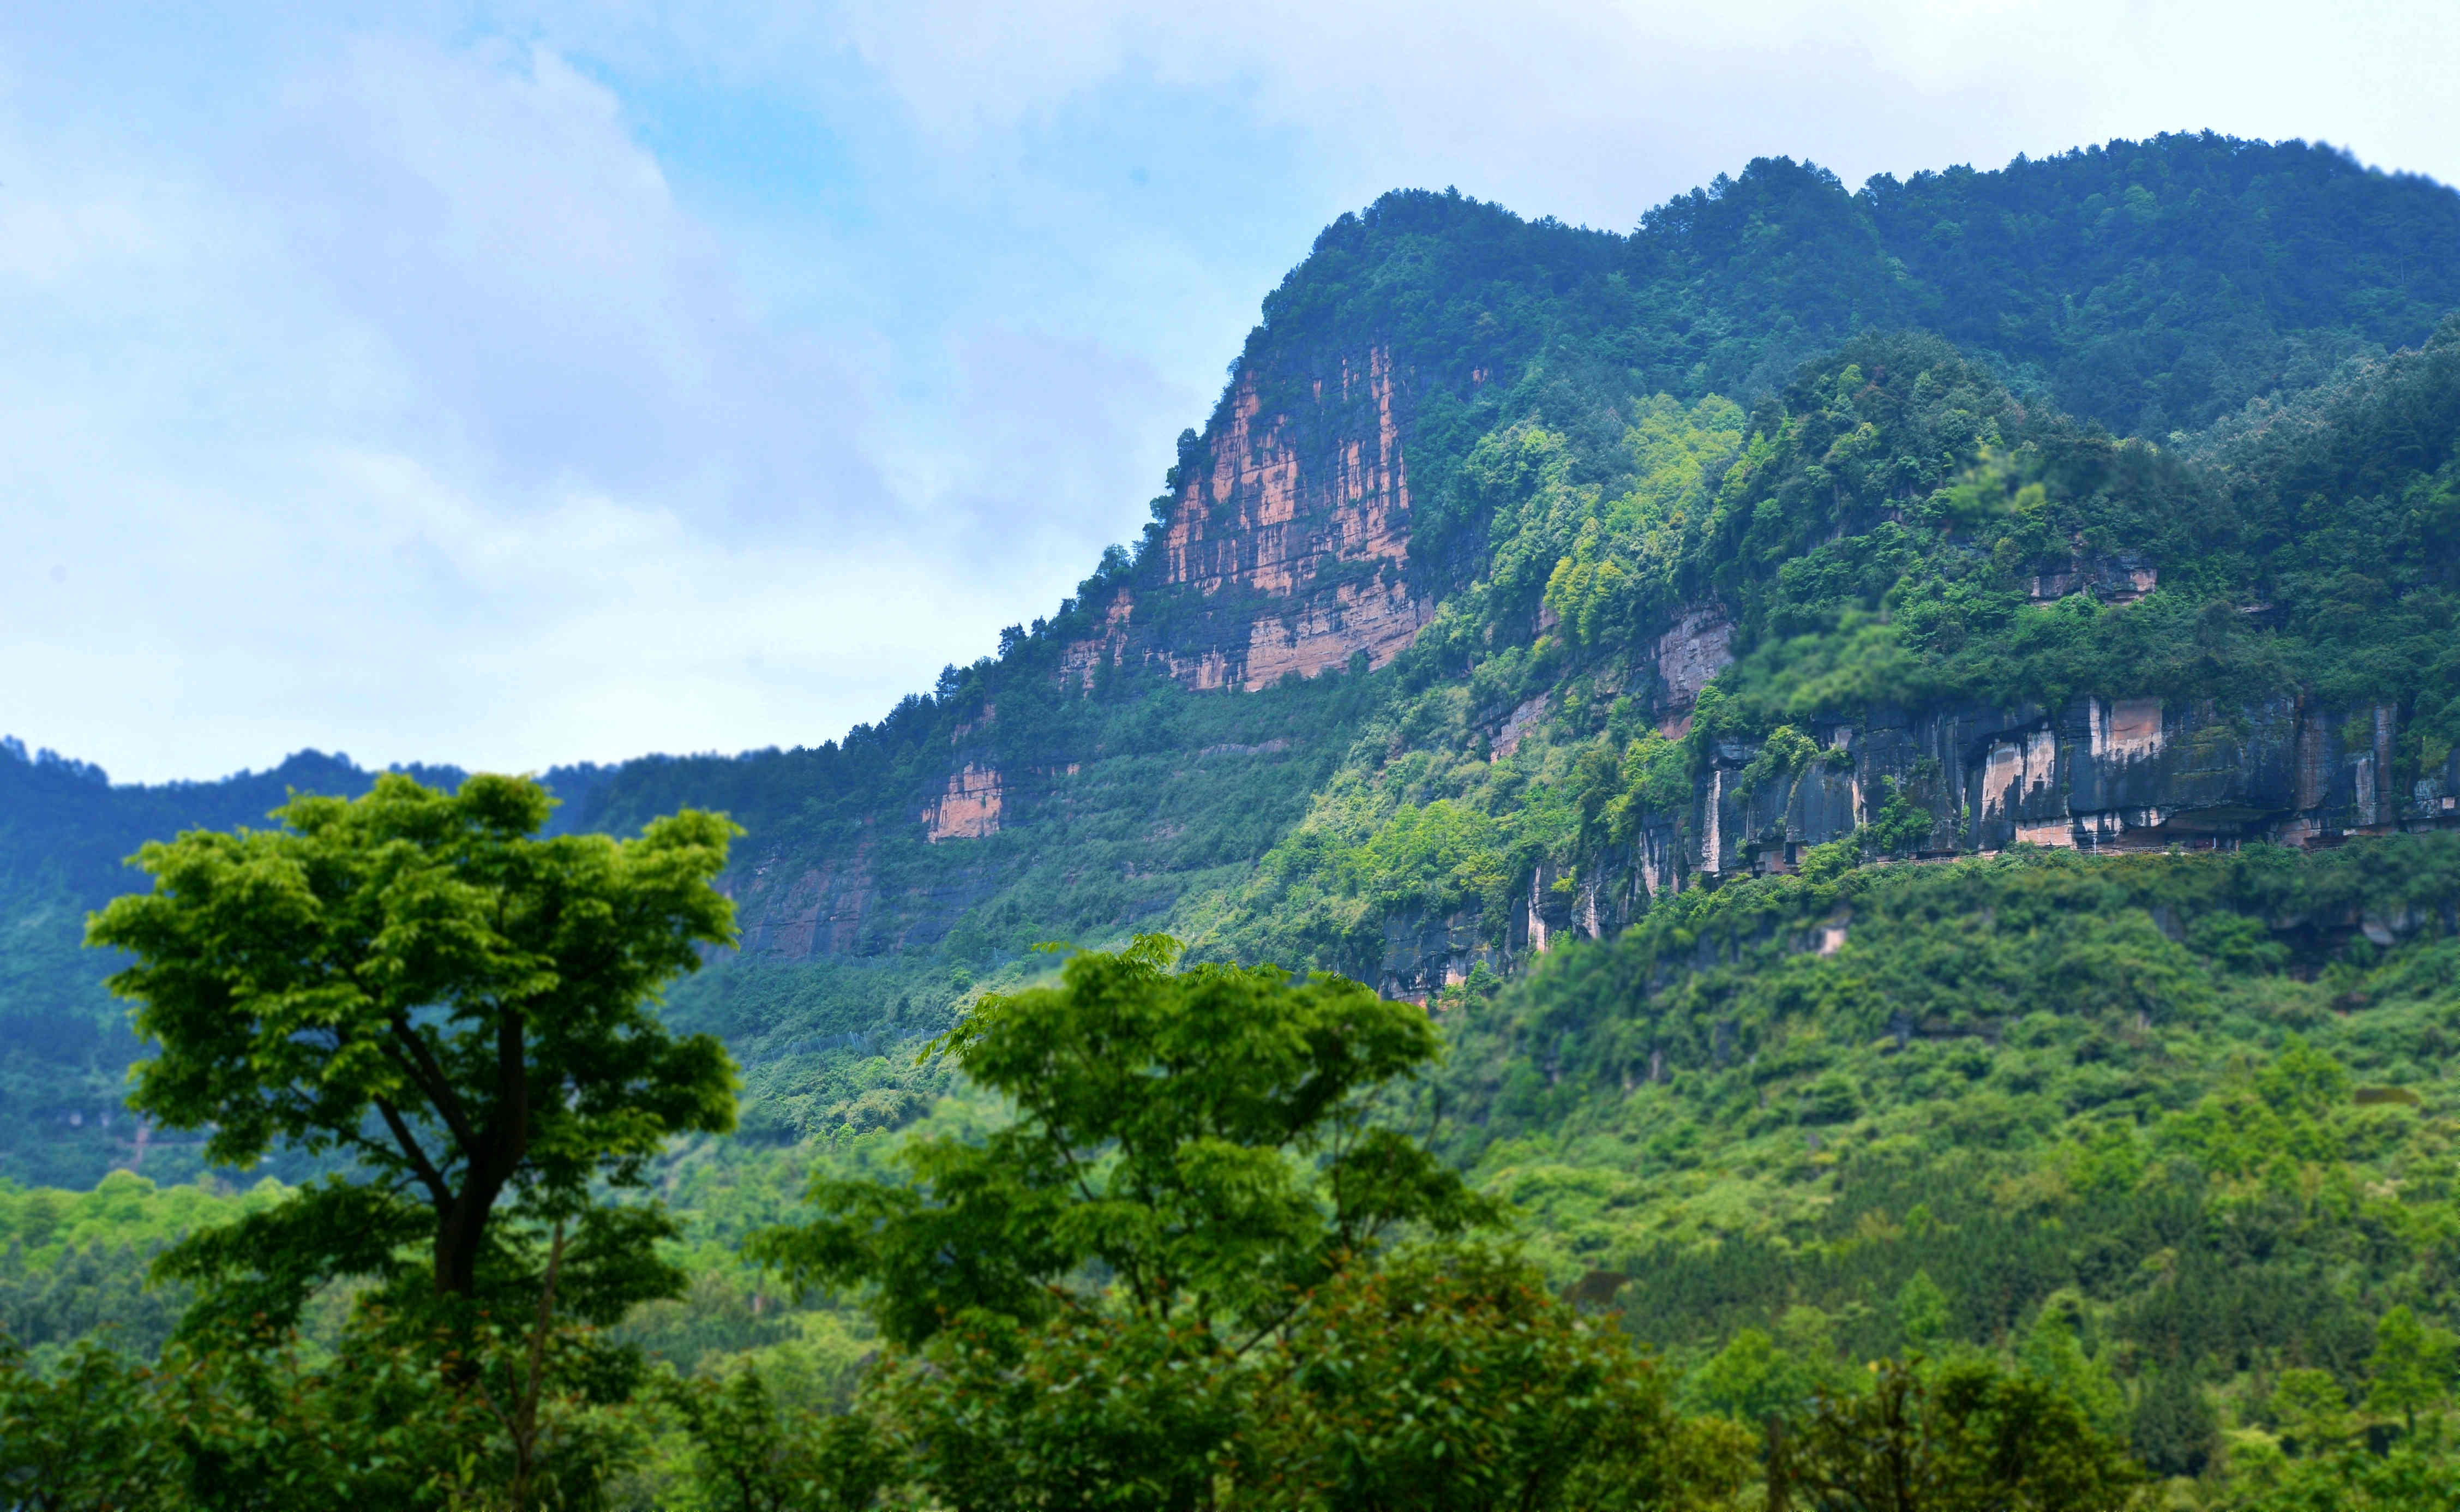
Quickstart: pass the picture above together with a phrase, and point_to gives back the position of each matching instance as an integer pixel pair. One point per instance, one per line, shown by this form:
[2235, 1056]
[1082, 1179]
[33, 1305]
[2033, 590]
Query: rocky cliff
[2098, 776]
[1284, 549]
[1281, 552]
[1334, 505]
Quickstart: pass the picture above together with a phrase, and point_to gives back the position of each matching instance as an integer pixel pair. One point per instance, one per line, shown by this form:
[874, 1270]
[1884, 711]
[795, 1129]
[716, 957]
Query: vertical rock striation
[1286, 551]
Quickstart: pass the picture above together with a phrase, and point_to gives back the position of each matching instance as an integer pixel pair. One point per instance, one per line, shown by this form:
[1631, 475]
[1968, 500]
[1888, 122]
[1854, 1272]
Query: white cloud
[485, 218]
[1594, 111]
[417, 418]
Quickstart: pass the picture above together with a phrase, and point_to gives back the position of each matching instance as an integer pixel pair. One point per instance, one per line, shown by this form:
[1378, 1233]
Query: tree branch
[420, 1165]
[1279, 1321]
[422, 1069]
[509, 1143]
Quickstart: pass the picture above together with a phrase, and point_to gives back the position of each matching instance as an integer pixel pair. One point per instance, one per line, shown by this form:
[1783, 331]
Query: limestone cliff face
[2100, 775]
[796, 913]
[969, 809]
[1286, 550]
[902, 880]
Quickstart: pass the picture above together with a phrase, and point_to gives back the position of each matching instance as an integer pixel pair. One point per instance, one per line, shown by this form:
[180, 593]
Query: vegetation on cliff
[1881, 532]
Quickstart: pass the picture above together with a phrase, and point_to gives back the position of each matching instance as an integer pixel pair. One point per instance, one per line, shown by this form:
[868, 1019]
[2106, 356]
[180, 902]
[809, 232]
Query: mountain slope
[1526, 575]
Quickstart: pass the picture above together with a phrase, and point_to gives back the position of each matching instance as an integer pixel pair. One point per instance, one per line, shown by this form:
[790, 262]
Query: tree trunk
[461, 1235]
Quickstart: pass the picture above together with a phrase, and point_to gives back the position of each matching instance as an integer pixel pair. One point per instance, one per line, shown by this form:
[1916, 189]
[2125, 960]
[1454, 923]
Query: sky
[510, 385]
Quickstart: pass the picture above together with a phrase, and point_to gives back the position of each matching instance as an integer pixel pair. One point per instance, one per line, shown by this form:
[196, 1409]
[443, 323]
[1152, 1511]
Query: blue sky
[517, 384]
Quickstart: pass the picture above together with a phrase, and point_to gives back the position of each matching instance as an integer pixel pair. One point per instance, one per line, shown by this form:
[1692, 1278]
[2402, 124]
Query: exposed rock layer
[2096, 775]
[1284, 550]
[1286, 553]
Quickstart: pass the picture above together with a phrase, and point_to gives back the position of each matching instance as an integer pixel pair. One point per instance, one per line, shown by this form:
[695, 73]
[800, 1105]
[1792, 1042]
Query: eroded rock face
[815, 911]
[1507, 739]
[1691, 654]
[1288, 554]
[1081, 660]
[2098, 776]
[860, 897]
[971, 808]
[2114, 580]
[1284, 550]
[1264, 515]
[1378, 619]
[800, 907]
[1423, 954]
[2132, 772]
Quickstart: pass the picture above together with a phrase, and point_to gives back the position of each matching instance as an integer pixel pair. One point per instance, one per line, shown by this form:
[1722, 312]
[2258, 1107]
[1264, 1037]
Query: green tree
[750, 1453]
[1084, 1409]
[1202, 1137]
[1966, 1437]
[256, 1427]
[1922, 1312]
[1454, 1379]
[1192, 1153]
[2313, 1409]
[2410, 1368]
[213, 1428]
[83, 1437]
[1755, 1375]
[2050, 1352]
[2410, 1478]
[415, 981]
[2173, 1431]
[1748, 1378]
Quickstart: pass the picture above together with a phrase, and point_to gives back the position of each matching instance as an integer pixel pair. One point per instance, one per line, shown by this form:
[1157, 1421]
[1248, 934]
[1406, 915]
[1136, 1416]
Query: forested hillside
[1908, 740]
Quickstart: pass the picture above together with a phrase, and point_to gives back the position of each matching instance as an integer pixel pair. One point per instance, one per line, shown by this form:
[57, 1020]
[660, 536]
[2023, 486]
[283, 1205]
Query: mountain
[1471, 483]
[1910, 738]
[1524, 575]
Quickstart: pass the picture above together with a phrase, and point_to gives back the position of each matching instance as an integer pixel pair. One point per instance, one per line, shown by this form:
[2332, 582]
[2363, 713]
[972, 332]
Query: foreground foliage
[1200, 1136]
[411, 980]
[2226, 1293]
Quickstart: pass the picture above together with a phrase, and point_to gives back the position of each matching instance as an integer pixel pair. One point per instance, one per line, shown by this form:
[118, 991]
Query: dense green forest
[2169, 1135]
[1872, 1138]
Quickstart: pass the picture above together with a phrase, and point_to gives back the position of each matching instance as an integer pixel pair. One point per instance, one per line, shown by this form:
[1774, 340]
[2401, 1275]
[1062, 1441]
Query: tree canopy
[1202, 1137]
[414, 981]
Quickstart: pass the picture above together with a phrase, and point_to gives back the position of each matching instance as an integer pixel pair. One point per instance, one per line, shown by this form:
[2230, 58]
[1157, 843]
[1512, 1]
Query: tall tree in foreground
[1200, 1138]
[1171, 1282]
[415, 981]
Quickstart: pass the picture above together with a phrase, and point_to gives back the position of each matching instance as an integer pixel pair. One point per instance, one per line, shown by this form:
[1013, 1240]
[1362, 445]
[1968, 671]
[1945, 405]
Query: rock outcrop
[2114, 775]
[971, 808]
[1690, 655]
[2098, 774]
[1283, 549]
[817, 910]
[1286, 551]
